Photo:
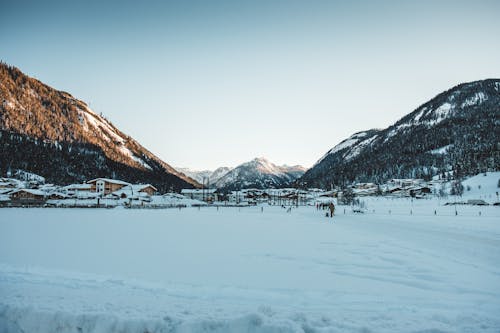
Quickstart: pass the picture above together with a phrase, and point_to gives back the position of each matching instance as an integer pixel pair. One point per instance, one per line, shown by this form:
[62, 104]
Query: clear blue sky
[216, 83]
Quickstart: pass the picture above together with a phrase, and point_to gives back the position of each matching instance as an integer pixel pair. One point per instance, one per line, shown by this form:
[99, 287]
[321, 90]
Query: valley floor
[402, 266]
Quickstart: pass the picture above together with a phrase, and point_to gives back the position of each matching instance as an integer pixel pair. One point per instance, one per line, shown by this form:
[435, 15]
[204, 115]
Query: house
[57, 196]
[207, 194]
[73, 188]
[135, 191]
[28, 196]
[145, 188]
[365, 186]
[105, 185]
[330, 194]
[419, 190]
[403, 183]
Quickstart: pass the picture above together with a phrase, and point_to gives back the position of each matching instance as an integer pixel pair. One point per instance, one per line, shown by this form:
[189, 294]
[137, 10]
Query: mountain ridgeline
[53, 134]
[259, 173]
[457, 130]
[205, 177]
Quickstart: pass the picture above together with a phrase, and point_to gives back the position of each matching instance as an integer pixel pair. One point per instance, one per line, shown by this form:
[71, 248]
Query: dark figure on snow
[331, 207]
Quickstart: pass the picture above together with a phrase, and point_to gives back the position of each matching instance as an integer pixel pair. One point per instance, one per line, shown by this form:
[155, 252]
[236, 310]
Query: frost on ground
[243, 270]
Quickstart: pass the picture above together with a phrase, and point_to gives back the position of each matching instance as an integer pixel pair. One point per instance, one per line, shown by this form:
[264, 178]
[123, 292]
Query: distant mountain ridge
[458, 130]
[259, 173]
[53, 134]
[205, 176]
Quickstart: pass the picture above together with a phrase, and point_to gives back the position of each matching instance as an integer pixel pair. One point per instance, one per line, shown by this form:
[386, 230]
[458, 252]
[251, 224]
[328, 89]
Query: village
[28, 190]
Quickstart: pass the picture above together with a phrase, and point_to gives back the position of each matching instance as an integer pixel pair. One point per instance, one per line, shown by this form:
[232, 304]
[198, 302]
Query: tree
[441, 192]
[347, 196]
[457, 188]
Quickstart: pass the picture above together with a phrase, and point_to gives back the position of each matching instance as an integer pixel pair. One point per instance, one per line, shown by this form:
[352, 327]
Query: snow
[477, 99]
[108, 180]
[482, 186]
[31, 191]
[205, 175]
[349, 142]
[441, 113]
[358, 148]
[259, 170]
[245, 270]
[29, 176]
[420, 114]
[127, 152]
[94, 123]
[441, 150]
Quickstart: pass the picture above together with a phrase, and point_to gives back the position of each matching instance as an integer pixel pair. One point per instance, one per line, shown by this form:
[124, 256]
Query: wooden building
[28, 196]
[208, 194]
[105, 186]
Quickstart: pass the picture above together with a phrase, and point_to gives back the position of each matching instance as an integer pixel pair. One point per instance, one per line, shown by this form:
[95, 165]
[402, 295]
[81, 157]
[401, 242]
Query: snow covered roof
[140, 187]
[31, 191]
[107, 180]
[128, 193]
[134, 190]
[5, 190]
[77, 187]
[198, 191]
[59, 194]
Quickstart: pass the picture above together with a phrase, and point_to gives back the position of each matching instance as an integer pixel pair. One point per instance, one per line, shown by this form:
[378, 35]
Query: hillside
[57, 136]
[457, 130]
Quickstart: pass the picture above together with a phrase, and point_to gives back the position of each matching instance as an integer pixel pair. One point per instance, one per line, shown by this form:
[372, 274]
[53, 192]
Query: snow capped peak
[205, 176]
[259, 173]
[262, 165]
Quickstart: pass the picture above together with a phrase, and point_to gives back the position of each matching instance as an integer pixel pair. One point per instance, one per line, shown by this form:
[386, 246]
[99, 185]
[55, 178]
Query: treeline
[69, 162]
[471, 134]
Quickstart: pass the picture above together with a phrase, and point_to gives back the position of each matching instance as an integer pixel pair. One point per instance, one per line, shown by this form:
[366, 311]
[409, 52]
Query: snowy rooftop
[198, 191]
[31, 191]
[78, 187]
[107, 180]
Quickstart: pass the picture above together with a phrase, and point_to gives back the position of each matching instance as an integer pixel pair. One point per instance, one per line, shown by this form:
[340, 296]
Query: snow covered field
[243, 270]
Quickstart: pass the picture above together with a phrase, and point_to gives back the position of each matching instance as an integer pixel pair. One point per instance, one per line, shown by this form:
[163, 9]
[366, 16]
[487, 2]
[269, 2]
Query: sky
[204, 84]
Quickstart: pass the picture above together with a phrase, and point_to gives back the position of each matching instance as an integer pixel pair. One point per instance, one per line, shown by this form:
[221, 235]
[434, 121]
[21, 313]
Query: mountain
[259, 173]
[53, 134]
[205, 176]
[457, 130]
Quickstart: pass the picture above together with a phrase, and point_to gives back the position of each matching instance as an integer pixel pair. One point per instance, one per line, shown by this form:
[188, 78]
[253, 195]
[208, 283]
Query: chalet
[73, 188]
[135, 191]
[28, 196]
[365, 186]
[208, 194]
[330, 194]
[419, 190]
[145, 188]
[57, 196]
[105, 186]
[402, 183]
